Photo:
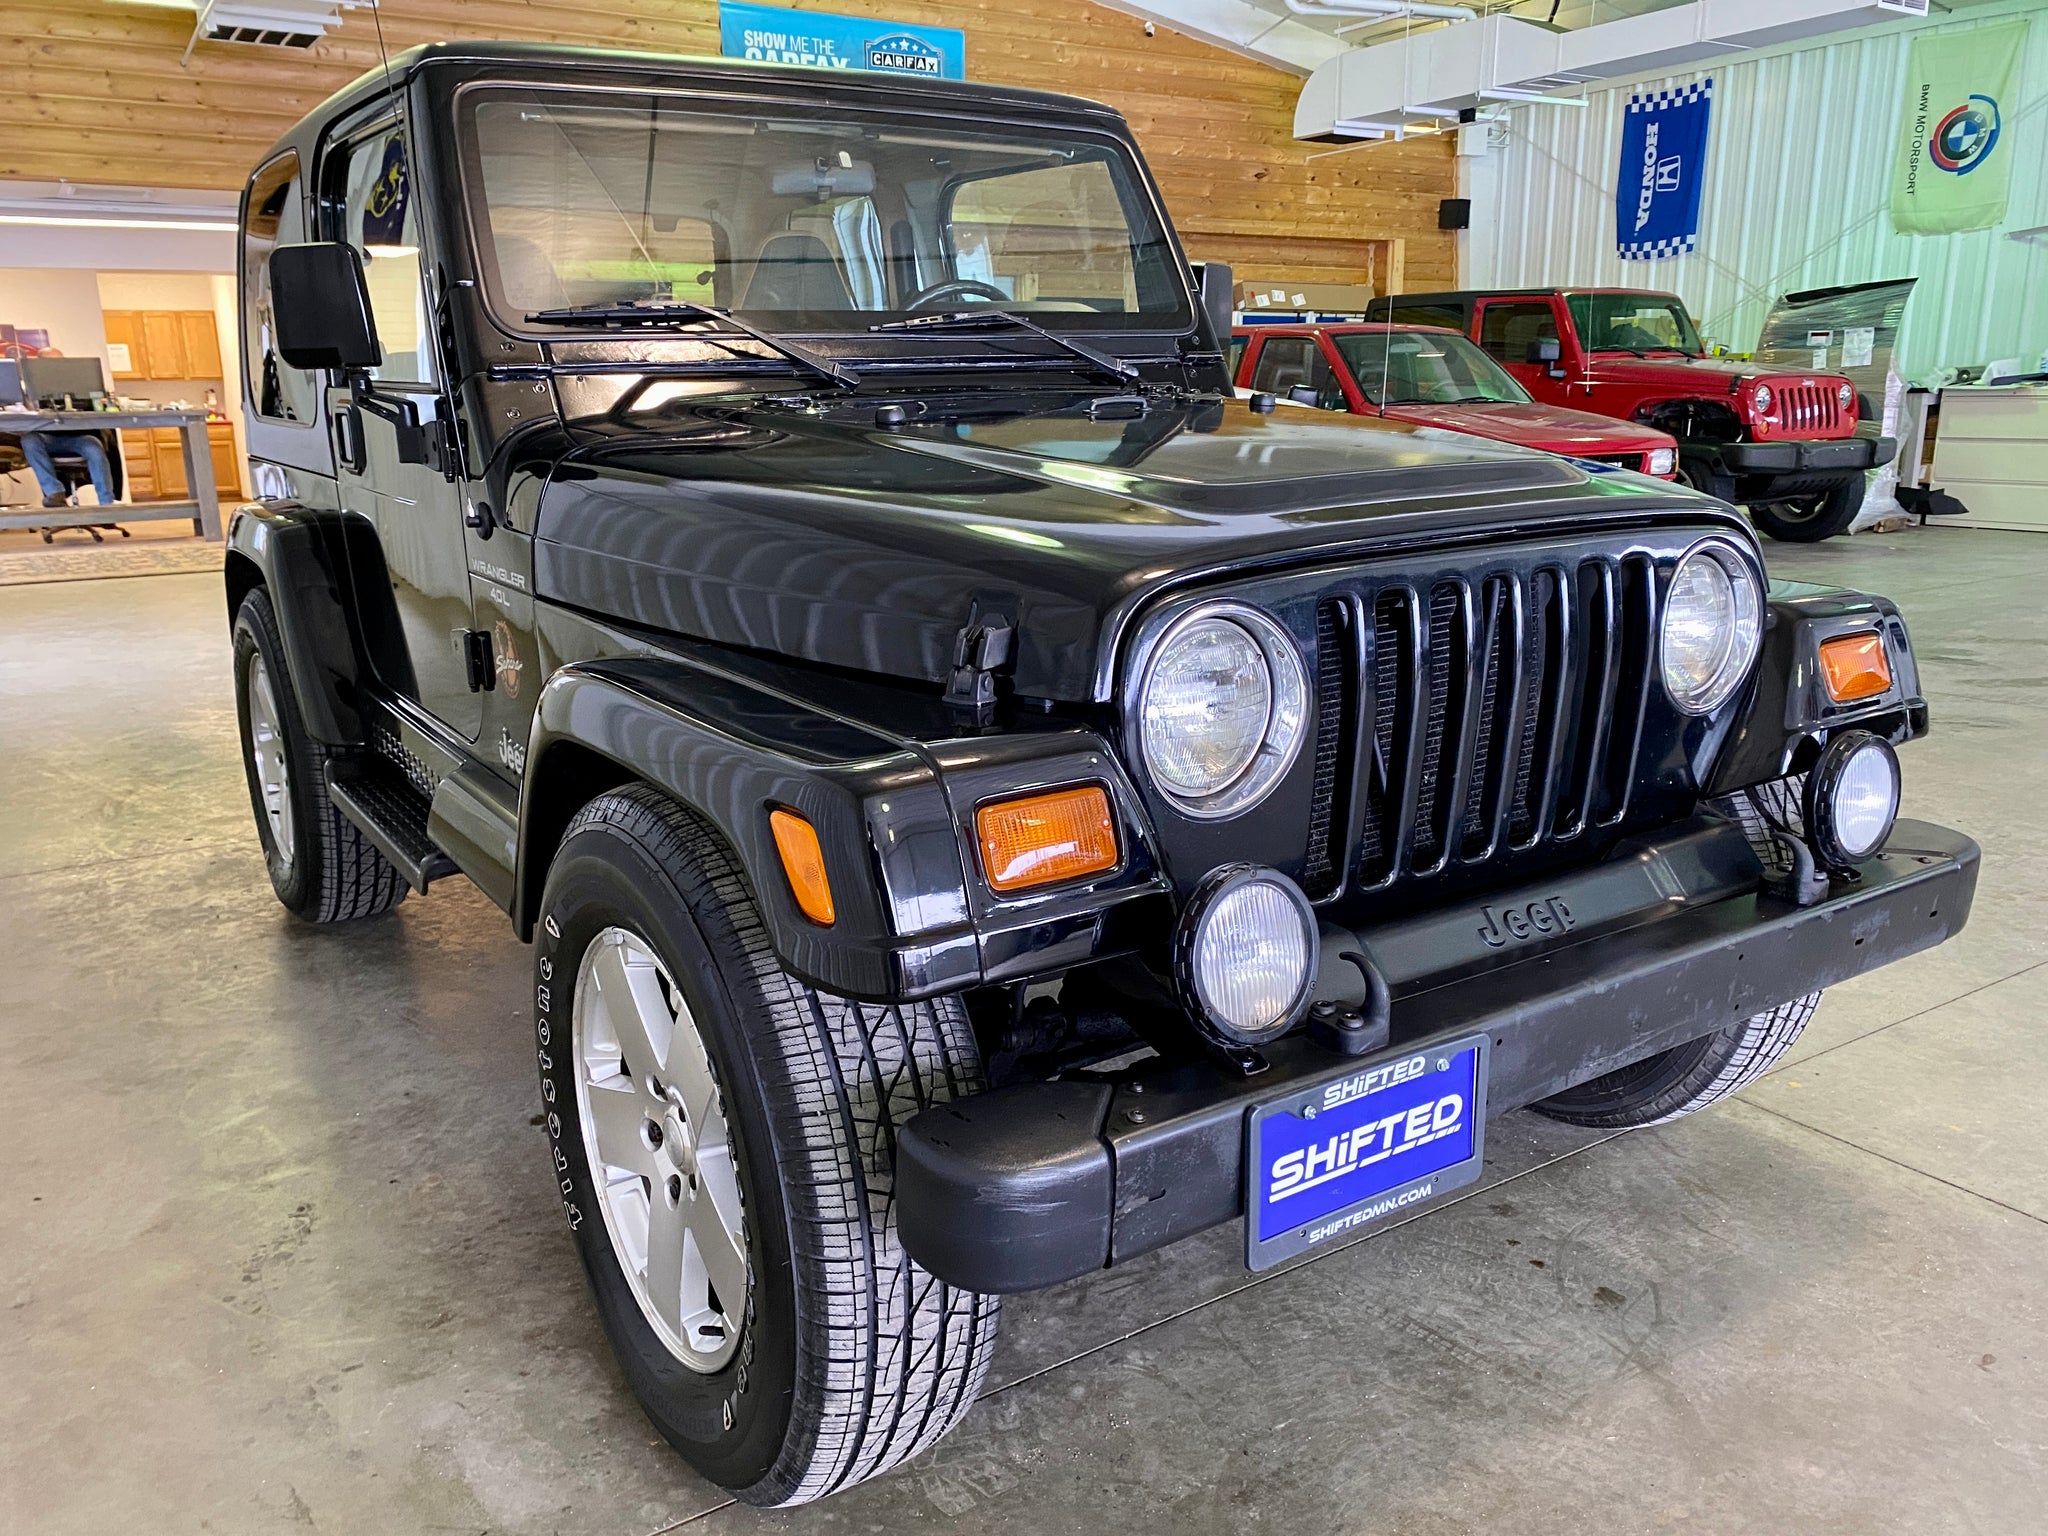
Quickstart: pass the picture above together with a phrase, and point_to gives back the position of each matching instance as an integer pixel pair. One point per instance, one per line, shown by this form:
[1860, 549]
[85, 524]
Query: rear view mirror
[1542, 352]
[824, 178]
[322, 307]
[1219, 300]
[1305, 394]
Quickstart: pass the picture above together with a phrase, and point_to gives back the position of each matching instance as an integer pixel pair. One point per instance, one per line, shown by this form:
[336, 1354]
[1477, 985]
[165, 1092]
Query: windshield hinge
[981, 650]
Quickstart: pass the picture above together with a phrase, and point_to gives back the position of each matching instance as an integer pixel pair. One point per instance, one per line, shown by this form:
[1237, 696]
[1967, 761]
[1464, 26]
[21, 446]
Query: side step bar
[391, 813]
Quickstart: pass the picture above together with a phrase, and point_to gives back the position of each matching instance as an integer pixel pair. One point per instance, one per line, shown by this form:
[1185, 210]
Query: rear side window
[1288, 363]
[277, 216]
[1507, 331]
[1451, 315]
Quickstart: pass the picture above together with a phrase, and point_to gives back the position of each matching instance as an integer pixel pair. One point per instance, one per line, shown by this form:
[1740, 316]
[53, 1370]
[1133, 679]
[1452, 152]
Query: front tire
[1812, 518]
[1686, 1078]
[838, 1357]
[321, 866]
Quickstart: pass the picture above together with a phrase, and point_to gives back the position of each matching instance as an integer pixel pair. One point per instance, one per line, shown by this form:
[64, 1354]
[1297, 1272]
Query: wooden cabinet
[166, 343]
[154, 459]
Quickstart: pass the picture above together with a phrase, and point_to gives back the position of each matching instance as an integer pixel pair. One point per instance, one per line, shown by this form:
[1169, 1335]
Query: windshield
[1633, 322]
[825, 221]
[1425, 368]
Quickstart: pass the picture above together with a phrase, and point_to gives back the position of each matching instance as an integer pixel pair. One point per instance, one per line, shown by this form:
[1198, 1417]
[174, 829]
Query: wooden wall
[107, 99]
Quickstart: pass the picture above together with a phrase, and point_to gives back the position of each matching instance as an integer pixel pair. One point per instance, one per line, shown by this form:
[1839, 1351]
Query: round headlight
[1846, 393]
[1245, 956]
[1852, 799]
[1713, 624]
[1663, 460]
[1221, 710]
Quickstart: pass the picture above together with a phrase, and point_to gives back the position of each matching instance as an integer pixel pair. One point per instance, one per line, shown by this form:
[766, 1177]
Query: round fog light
[1852, 799]
[1245, 957]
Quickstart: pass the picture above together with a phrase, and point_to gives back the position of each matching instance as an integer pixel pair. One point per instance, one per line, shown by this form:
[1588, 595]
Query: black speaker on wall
[1454, 213]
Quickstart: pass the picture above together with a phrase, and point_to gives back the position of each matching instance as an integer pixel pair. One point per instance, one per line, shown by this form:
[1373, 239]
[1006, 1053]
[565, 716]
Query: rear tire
[843, 1357]
[1687, 1077]
[321, 866]
[1812, 518]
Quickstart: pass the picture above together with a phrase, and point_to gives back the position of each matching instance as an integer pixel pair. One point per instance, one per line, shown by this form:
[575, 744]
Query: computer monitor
[10, 382]
[48, 380]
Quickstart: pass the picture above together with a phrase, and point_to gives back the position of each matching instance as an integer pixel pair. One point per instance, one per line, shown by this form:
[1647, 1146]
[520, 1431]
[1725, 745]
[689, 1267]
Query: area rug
[97, 562]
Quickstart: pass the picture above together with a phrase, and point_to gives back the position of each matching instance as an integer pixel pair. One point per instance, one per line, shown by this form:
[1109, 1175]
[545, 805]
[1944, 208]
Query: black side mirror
[1305, 394]
[1542, 352]
[322, 307]
[1219, 300]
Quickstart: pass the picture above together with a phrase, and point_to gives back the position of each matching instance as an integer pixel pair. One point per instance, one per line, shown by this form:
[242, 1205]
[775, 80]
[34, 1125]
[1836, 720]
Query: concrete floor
[279, 1247]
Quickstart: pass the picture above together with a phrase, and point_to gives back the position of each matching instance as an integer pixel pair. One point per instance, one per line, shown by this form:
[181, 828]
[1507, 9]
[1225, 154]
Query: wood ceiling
[110, 99]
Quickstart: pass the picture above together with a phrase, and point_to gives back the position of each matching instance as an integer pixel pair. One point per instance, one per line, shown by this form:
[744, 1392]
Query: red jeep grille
[1807, 409]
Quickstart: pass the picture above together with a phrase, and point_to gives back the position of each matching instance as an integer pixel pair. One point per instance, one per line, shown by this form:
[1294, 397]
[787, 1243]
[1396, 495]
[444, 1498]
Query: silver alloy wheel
[660, 1154]
[268, 754]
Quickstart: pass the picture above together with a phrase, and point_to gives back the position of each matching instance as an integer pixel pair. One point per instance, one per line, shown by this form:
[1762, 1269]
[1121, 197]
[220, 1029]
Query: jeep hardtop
[985, 802]
[1783, 443]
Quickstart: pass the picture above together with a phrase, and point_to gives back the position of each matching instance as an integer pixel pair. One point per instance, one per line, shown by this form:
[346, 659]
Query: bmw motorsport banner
[1663, 158]
[1955, 147]
[771, 35]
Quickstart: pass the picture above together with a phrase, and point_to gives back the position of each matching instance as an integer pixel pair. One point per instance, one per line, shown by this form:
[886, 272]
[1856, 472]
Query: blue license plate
[1331, 1157]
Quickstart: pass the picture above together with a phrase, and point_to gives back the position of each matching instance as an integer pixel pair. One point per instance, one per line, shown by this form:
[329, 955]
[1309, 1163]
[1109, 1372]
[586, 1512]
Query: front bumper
[1036, 1183]
[1832, 456]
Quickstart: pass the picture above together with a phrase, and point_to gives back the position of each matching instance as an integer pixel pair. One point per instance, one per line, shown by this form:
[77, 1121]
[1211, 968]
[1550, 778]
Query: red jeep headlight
[1763, 399]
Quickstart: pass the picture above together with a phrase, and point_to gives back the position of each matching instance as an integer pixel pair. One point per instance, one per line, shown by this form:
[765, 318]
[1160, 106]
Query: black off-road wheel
[723, 1138]
[1687, 1077]
[1698, 473]
[321, 866]
[1812, 518]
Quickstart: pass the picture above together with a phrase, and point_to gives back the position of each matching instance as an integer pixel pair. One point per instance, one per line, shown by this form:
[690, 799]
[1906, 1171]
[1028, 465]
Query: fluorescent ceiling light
[61, 223]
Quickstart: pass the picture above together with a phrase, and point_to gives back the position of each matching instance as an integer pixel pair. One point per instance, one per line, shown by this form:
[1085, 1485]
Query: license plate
[1330, 1158]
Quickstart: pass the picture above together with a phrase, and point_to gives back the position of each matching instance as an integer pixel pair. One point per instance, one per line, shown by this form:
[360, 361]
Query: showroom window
[1507, 331]
[1288, 363]
[277, 216]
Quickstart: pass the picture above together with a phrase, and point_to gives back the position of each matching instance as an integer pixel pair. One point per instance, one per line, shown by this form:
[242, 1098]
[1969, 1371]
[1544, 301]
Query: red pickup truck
[1433, 378]
[1783, 444]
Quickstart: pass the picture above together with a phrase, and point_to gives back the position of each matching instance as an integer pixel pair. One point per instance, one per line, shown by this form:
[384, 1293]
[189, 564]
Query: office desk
[203, 509]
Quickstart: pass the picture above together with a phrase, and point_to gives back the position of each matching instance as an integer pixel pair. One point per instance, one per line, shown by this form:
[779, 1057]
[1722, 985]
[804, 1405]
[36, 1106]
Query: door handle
[346, 429]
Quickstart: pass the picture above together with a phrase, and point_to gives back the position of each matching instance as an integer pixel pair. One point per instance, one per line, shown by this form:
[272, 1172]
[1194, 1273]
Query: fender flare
[286, 548]
[731, 751]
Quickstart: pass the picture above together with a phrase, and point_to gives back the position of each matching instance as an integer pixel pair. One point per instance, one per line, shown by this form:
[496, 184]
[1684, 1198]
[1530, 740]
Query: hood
[1549, 427]
[811, 532]
[1715, 373]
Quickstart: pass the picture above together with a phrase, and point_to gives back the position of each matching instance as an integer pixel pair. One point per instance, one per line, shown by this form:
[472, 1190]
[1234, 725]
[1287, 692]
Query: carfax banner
[1955, 150]
[769, 34]
[1663, 158]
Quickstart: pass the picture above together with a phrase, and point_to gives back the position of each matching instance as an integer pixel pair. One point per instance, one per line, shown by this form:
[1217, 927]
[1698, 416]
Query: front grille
[1619, 460]
[1808, 408]
[1499, 713]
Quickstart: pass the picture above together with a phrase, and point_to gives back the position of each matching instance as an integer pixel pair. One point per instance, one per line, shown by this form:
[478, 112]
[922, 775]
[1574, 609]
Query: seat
[72, 469]
[796, 271]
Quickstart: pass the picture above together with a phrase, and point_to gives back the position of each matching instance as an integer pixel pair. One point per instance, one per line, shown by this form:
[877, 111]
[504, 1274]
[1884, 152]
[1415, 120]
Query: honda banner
[1955, 147]
[1663, 157]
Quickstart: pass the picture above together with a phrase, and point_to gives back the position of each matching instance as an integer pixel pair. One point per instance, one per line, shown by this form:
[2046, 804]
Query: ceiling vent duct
[1415, 84]
[263, 23]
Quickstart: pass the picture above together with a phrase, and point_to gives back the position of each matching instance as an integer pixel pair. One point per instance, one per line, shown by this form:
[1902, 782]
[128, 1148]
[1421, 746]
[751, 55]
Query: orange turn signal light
[1855, 666]
[804, 862]
[1043, 839]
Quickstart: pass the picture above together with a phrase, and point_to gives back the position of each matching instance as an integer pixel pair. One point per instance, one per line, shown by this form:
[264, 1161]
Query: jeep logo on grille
[1509, 925]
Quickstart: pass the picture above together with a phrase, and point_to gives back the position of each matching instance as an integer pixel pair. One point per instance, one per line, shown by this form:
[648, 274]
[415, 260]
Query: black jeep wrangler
[986, 802]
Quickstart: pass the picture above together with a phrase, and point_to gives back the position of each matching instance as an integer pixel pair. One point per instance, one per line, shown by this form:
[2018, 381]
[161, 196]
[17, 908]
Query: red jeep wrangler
[1783, 444]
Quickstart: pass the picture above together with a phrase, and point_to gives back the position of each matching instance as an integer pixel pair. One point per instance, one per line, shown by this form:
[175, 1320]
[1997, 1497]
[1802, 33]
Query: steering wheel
[954, 285]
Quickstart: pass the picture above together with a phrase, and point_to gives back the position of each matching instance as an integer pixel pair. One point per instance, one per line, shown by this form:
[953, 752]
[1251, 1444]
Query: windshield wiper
[648, 315]
[989, 319]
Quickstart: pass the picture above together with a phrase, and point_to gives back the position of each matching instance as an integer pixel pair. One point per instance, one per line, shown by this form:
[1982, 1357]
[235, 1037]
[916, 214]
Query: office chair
[72, 469]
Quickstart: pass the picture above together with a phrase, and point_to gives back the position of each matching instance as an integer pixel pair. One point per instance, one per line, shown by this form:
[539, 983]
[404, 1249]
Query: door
[406, 545]
[124, 345]
[200, 334]
[163, 345]
[1515, 333]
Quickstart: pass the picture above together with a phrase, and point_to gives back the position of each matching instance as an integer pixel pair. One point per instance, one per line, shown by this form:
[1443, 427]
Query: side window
[381, 220]
[1450, 315]
[1507, 331]
[1288, 363]
[277, 216]
[1234, 357]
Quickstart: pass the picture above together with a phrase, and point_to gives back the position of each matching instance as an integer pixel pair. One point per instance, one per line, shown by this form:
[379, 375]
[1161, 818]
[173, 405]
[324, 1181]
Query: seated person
[39, 448]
